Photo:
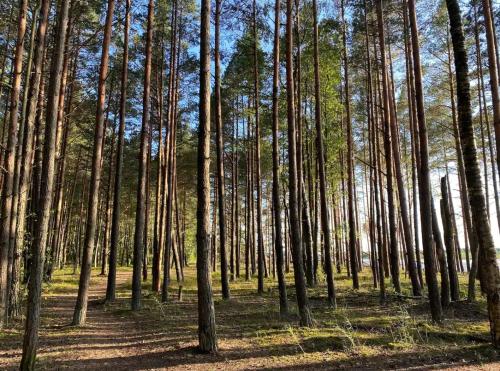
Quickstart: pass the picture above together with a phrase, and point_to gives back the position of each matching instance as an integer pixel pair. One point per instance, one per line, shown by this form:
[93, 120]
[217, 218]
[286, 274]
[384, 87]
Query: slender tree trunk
[278, 242]
[140, 227]
[298, 266]
[350, 160]
[43, 215]
[115, 221]
[492, 64]
[6, 232]
[260, 236]
[388, 139]
[449, 240]
[424, 176]
[464, 197]
[80, 313]
[220, 157]
[206, 312]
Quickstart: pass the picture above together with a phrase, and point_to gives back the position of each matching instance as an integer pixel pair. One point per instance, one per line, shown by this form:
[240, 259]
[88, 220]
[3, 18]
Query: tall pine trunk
[45, 200]
[489, 275]
[423, 172]
[206, 313]
[80, 313]
[278, 241]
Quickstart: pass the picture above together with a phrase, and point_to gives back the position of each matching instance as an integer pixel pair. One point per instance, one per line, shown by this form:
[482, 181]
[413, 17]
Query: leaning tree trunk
[488, 268]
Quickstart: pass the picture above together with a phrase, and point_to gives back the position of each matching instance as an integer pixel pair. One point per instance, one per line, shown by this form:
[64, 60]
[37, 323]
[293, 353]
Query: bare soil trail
[251, 335]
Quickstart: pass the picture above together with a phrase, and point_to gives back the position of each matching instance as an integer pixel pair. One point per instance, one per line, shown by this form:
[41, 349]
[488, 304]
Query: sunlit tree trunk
[6, 233]
[220, 157]
[46, 189]
[115, 221]
[206, 313]
[298, 265]
[80, 313]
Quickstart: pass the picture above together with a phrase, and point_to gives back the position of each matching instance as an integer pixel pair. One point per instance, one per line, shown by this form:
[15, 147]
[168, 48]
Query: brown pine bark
[320, 155]
[258, 185]
[449, 240]
[6, 233]
[46, 189]
[464, 197]
[140, 216]
[80, 313]
[423, 171]
[388, 139]
[220, 157]
[350, 160]
[298, 265]
[206, 313]
[278, 240]
[492, 65]
[115, 221]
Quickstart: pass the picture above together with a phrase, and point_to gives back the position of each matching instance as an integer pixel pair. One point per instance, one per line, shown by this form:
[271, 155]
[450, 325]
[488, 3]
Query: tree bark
[115, 222]
[80, 313]
[424, 176]
[489, 275]
[6, 232]
[449, 240]
[298, 265]
[47, 184]
[143, 158]
[220, 157]
[206, 313]
[278, 241]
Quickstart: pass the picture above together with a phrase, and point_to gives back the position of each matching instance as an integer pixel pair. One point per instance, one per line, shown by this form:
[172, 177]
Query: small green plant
[404, 330]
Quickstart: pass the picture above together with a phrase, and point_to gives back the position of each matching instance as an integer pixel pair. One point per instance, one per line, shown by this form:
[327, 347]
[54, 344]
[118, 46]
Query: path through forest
[251, 336]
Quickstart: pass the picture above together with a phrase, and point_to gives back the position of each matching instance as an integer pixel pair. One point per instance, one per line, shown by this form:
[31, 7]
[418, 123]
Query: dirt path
[108, 339]
[251, 336]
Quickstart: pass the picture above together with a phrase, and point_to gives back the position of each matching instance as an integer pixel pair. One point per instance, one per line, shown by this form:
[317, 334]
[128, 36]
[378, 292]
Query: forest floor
[359, 334]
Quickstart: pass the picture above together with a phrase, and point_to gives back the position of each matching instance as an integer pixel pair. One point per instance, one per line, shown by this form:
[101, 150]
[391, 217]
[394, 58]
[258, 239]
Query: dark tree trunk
[8, 207]
[80, 313]
[489, 275]
[393, 248]
[115, 222]
[320, 155]
[350, 160]
[449, 240]
[278, 242]
[46, 189]
[298, 265]
[424, 176]
[140, 216]
[206, 312]
[220, 157]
